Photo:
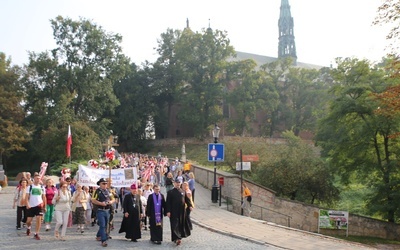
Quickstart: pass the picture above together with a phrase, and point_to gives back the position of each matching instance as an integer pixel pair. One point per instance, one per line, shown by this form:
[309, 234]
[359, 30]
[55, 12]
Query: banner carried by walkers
[121, 177]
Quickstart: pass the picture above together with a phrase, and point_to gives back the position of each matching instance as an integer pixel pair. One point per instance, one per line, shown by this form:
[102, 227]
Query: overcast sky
[323, 29]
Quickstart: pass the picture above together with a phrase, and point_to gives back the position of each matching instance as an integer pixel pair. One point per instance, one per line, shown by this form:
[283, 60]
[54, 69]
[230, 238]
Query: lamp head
[216, 131]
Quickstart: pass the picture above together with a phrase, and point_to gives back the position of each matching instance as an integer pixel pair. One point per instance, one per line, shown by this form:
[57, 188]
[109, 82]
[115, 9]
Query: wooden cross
[110, 143]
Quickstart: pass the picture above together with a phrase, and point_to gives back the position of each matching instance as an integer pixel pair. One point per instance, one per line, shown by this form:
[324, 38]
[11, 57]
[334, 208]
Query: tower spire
[287, 46]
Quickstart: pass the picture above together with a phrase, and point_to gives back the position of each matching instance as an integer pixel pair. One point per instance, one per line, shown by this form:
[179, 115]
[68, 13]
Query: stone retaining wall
[287, 212]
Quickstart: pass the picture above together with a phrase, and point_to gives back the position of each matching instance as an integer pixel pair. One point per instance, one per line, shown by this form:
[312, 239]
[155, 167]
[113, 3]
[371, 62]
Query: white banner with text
[121, 177]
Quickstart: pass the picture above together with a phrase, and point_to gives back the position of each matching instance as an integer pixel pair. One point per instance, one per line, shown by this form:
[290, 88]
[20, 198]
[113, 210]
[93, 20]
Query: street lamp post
[214, 191]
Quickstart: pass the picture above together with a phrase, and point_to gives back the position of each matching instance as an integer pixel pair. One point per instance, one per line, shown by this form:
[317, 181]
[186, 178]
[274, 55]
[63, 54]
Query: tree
[203, 57]
[92, 61]
[296, 171]
[306, 98]
[249, 95]
[137, 108]
[73, 83]
[357, 140]
[13, 135]
[301, 96]
[167, 75]
[274, 74]
[389, 13]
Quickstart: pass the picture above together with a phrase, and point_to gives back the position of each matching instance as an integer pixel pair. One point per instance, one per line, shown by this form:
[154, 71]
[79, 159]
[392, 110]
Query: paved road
[201, 238]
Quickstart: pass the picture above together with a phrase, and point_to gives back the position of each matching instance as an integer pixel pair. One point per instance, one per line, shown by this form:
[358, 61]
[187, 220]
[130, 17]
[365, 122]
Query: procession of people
[142, 203]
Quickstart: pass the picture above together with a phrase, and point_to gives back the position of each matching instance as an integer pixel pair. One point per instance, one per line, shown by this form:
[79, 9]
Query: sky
[323, 29]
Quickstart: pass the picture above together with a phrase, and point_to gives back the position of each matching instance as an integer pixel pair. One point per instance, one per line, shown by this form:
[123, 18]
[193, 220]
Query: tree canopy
[356, 139]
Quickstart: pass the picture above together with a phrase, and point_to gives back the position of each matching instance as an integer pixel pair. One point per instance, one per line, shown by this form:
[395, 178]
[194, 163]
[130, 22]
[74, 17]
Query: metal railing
[259, 212]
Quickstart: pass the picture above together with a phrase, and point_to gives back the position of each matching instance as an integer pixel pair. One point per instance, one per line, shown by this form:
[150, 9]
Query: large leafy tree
[203, 57]
[167, 76]
[274, 74]
[13, 135]
[301, 97]
[305, 99]
[356, 139]
[248, 93]
[73, 83]
[91, 62]
[134, 115]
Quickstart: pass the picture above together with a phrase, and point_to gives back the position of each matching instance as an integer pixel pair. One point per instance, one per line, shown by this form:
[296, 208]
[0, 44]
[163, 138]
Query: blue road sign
[216, 152]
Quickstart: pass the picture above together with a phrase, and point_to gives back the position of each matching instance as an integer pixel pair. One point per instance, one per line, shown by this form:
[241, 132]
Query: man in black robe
[132, 208]
[175, 207]
[155, 210]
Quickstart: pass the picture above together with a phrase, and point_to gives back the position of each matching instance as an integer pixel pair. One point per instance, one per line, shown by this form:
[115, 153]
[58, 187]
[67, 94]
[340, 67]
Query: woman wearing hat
[133, 212]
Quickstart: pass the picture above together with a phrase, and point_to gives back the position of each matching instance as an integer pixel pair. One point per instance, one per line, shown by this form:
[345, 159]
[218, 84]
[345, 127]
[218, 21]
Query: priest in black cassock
[155, 210]
[175, 207]
[132, 208]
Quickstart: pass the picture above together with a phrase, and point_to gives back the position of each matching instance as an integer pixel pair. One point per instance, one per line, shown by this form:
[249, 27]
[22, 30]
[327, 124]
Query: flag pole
[69, 143]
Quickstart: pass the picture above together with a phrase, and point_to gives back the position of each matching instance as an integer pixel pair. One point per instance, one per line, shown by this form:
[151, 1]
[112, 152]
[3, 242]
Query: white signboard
[333, 219]
[121, 177]
[246, 165]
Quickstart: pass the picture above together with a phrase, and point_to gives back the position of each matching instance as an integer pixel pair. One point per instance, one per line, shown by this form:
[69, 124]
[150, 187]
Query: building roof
[260, 60]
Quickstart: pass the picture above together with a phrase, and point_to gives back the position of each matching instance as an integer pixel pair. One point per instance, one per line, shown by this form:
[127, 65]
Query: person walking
[20, 202]
[143, 221]
[176, 204]
[50, 191]
[148, 190]
[192, 184]
[103, 200]
[155, 210]
[62, 201]
[246, 198]
[169, 182]
[188, 193]
[79, 200]
[88, 212]
[35, 204]
[132, 215]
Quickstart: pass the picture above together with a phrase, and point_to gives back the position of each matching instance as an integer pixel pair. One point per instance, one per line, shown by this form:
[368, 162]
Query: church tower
[286, 47]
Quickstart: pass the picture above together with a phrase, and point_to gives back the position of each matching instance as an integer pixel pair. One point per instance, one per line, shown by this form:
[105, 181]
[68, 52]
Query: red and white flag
[69, 142]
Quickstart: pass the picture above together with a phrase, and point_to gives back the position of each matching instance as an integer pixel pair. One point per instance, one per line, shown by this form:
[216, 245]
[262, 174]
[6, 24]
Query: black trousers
[21, 211]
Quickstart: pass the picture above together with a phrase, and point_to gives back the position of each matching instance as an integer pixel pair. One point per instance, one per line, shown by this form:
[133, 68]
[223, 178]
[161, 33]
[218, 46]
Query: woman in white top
[144, 204]
[62, 200]
[19, 200]
[89, 206]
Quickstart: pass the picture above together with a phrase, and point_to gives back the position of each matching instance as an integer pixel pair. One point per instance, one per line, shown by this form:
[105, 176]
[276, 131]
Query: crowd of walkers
[142, 204]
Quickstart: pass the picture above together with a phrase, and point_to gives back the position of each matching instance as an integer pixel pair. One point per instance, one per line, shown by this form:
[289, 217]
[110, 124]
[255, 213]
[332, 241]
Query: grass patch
[372, 241]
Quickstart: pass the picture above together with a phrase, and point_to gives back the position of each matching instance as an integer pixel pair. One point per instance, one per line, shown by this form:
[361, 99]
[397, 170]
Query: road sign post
[216, 152]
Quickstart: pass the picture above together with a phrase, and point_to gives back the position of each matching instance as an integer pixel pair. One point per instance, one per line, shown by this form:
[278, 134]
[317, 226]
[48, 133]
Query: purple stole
[157, 208]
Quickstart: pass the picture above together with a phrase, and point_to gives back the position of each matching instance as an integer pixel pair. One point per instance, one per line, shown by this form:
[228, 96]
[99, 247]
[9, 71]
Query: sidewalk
[218, 219]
